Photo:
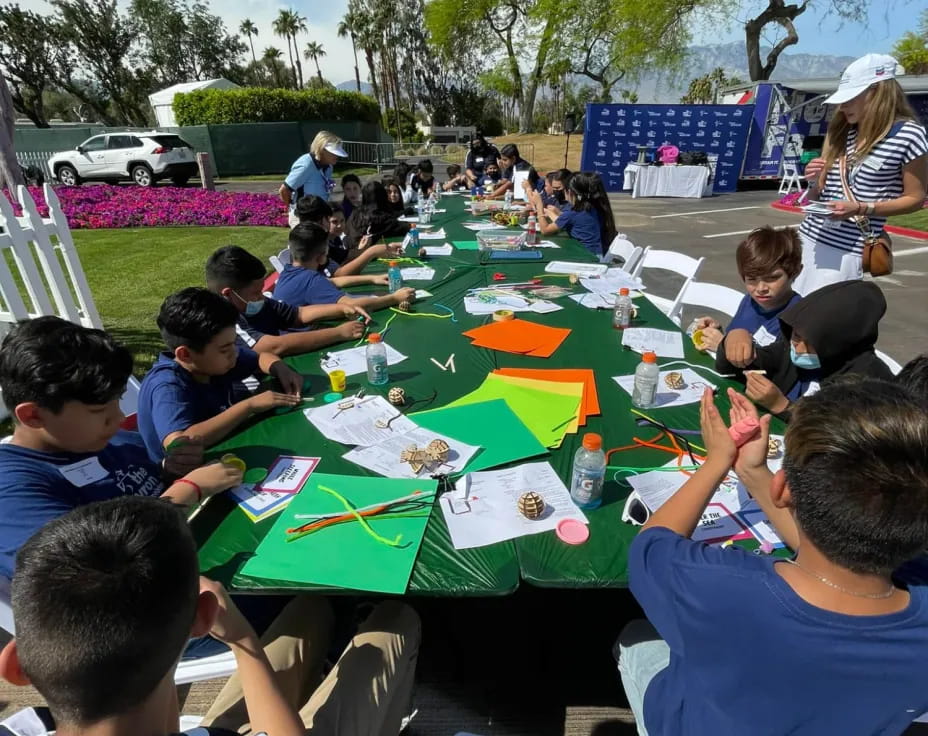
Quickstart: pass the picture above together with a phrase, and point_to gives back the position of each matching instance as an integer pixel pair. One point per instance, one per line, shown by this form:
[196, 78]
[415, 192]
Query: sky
[818, 32]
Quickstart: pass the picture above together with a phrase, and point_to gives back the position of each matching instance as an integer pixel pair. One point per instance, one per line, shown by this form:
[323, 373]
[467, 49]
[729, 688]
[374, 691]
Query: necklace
[826, 581]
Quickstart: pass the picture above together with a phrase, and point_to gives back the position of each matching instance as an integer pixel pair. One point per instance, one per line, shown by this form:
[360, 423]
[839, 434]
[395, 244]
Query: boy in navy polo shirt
[264, 323]
[828, 642]
[61, 383]
[195, 387]
[301, 283]
[769, 260]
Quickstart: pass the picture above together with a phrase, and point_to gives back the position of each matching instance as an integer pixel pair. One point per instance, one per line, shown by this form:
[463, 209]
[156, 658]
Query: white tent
[162, 102]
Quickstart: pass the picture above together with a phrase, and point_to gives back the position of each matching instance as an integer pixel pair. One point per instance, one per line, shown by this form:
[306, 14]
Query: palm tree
[367, 37]
[271, 58]
[297, 25]
[346, 27]
[282, 24]
[249, 29]
[313, 52]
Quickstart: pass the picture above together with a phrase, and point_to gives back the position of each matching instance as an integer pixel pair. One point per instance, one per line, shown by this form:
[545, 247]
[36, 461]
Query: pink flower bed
[104, 206]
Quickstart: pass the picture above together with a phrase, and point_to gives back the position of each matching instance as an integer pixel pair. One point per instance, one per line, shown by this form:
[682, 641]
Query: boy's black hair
[856, 463]
[348, 178]
[533, 177]
[233, 267]
[914, 376]
[401, 172]
[425, 166]
[193, 317]
[560, 175]
[312, 208]
[104, 598]
[306, 241]
[50, 361]
[510, 150]
[453, 170]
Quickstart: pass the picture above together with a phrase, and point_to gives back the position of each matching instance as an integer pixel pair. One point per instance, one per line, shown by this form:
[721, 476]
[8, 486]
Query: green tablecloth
[227, 536]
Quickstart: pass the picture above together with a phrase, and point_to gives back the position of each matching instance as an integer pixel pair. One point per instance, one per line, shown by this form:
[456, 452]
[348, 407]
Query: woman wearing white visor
[311, 173]
[886, 171]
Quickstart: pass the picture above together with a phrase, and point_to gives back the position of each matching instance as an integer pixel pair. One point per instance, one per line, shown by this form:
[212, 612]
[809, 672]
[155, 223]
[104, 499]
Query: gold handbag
[877, 254]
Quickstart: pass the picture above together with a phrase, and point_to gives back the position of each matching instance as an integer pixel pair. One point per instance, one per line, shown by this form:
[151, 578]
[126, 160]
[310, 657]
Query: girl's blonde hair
[885, 105]
[322, 139]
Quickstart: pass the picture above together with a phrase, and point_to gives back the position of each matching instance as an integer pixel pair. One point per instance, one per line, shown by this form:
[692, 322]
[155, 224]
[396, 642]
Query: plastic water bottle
[622, 313]
[419, 207]
[395, 275]
[589, 472]
[376, 354]
[414, 238]
[532, 237]
[507, 205]
[646, 377]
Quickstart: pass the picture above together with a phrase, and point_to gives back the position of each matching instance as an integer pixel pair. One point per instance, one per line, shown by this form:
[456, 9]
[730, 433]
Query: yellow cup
[337, 381]
[233, 461]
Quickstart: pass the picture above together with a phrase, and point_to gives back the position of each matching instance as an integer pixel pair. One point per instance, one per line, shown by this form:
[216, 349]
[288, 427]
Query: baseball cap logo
[879, 71]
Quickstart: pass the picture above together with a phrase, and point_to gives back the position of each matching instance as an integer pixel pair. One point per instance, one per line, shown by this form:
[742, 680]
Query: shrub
[492, 126]
[260, 105]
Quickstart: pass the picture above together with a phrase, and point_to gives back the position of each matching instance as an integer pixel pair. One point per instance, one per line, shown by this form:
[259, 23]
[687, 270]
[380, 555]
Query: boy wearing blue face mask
[263, 323]
[830, 332]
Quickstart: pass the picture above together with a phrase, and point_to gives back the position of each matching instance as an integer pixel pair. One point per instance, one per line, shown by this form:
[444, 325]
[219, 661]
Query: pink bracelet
[195, 487]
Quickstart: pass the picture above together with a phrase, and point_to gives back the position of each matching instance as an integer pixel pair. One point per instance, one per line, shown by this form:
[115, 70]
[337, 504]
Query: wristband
[195, 487]
[871, 209]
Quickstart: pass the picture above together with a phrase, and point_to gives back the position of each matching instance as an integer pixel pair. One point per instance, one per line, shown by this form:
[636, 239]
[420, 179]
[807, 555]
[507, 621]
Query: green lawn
[131, 272]
[916, 220]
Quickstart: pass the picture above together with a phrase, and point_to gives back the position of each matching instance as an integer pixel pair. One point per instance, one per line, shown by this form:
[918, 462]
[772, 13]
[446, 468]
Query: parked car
[143, 158]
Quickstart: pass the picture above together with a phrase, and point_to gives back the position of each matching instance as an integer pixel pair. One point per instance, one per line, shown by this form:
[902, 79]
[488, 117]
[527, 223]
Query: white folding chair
[890, 362]
[714, 296]
[668, 260]
[280, 260]
[623, 248]
[791, 179]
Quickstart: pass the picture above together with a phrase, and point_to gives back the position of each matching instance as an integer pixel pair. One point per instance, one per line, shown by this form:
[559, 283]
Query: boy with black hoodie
[831, 332]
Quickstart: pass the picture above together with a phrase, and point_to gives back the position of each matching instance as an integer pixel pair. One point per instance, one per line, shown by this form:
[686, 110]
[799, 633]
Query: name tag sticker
[84, 473]
[763, 338]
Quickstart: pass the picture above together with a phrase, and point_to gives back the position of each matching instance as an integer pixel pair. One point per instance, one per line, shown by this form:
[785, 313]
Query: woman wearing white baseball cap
[885, 158]
[311, 173]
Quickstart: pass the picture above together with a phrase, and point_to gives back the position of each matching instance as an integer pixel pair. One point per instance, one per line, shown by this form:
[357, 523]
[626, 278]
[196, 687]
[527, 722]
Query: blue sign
[613, 134]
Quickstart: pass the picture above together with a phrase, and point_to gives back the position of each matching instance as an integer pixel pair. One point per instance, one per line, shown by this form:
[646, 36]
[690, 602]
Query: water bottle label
[587, 486]
[644, 392]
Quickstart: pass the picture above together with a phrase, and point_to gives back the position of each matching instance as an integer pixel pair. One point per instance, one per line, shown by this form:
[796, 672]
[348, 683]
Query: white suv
[144, 158]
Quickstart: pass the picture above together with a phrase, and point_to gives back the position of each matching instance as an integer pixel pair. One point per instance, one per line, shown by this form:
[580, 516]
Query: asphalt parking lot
[713, 227]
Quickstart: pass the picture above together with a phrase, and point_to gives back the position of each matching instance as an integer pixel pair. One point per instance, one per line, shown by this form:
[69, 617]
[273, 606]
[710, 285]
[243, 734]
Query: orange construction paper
[590, 404]
[520, 337]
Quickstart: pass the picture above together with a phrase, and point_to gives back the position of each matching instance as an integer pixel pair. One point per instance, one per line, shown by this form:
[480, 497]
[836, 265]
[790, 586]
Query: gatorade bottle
[622, 313]
[589, 471]
[414, 238]
[376, 354]
[395, 275]
[646, 377]
[532, 237]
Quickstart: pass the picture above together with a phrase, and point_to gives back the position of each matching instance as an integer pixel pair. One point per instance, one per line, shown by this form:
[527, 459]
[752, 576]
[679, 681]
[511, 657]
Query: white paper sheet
[594, 301]
[581, 269]
[384, 457]
[493, 498]
[422, 294]
[439, 250]
[611, 281]
[418, 274]
[666, 343]
[408, 218]
[259, 504]
[518, 191]
[487, 225]
[691, 393]
[358, 425]
[288, 474]
[433, 235]
[354, 360]
[543, 306]
[545, 244]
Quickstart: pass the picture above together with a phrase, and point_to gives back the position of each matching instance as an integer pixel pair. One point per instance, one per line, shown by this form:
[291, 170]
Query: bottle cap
[592, 441]
[623, 291]
[374, 337]
[646, 358]
[393, 263]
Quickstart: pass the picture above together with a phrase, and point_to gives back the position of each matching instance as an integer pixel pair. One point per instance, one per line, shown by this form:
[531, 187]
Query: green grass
[915, 220]
[131, 271]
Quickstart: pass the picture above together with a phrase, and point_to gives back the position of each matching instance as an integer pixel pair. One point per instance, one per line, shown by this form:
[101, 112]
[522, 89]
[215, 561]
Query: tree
[313, 52]
[912, 49]
[777, 12]
[10, 173]
[27, 53]
[705, 90]
[297, 25]
[271, 57]
[366, 35]
[249, 29]
[346, 27]
[282, 26]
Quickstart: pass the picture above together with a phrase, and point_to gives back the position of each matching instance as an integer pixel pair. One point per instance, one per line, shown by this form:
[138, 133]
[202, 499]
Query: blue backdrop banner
[614, 133]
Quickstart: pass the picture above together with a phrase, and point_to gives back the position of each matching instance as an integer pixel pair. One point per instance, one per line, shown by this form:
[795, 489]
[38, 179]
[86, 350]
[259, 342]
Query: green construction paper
[547, 415]
[466, 244]
[491, 425]
[344, 555]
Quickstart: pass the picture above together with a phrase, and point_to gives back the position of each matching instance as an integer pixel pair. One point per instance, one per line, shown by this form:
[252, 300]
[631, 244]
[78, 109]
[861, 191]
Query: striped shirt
[875, 179]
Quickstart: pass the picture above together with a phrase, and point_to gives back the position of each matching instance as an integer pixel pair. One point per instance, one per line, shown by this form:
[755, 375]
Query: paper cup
[337, 380]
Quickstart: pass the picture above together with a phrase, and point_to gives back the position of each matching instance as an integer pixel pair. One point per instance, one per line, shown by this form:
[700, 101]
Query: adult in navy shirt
[826, 643]
[480, 154]
[62, 383]
[589, 218]
[311, 173]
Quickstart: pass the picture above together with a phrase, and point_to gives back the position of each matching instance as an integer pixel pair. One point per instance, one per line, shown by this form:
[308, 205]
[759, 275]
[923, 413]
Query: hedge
[261, 105]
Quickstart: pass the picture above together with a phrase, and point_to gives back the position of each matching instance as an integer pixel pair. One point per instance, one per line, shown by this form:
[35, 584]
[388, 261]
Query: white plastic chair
[678, 263]
[280, 260]
[623, 248]
[791, 179]
[714, 296]
[890, 362]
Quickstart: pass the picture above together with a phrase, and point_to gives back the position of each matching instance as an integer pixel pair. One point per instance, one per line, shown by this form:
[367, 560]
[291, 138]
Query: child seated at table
[61, 383]
[509, 163]
[830, 332]
[828, 642]
[196, 386]
[351, 187]
[768, 260]
[588, 219]
[456, 178]
[106, 598]
[301, 283]
[491, 176]
[264, 324]
[395, 204]
[422, 182]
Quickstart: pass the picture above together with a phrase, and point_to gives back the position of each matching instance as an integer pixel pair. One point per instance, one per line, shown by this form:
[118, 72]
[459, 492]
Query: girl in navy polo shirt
[587, 216]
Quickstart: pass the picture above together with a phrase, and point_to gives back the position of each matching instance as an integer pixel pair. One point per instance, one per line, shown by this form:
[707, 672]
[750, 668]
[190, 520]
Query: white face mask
[251, 308]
